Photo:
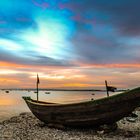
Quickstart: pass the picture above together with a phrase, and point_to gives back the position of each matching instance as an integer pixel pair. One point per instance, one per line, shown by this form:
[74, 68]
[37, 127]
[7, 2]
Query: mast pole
[106, 89]
[37, 90]
[37, 87]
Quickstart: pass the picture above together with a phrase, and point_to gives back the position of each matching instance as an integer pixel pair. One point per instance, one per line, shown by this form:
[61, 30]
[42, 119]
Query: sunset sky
[69, 43]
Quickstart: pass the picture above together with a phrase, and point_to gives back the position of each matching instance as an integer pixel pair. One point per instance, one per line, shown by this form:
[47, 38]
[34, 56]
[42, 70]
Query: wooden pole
[37, 90]
[37, 82]
[106, 89]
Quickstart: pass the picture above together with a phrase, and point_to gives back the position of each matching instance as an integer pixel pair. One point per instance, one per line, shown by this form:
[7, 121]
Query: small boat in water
[7, 91]
[47, 92]
[106, 110]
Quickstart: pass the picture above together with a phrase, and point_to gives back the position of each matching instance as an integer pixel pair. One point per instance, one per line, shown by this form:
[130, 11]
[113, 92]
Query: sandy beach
[27, 127]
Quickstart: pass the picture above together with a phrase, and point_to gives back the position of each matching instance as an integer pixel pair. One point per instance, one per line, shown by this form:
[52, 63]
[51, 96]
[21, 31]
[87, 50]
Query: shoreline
[27, 126]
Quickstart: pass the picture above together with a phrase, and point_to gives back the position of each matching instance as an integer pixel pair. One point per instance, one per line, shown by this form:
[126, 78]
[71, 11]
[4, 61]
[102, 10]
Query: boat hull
[93, 113]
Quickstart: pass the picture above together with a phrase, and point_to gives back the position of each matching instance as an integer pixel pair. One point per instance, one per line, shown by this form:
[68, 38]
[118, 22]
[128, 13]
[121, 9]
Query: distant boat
[7, 91]
[106, 110]
[47, 92]
[35, 91]
[93, 94]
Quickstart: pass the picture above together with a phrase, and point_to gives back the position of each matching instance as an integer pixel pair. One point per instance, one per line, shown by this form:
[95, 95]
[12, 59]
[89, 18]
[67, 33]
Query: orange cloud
[83, 76]
[82, 85]
[12, 65]
[8, 80]
[79, 64]
[111, 65]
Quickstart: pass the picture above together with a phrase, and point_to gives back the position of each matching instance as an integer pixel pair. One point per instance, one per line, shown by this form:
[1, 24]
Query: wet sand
[27, 127]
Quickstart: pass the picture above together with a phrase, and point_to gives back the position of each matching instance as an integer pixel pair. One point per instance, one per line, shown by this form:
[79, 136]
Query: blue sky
[73, 36]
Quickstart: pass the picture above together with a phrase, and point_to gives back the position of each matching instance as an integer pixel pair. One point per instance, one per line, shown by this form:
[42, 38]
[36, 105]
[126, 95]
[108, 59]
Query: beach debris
[132, 117]
[106, 128]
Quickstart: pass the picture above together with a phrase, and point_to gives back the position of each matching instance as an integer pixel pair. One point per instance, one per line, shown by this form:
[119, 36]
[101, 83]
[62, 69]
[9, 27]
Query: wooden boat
[7, 91]
[47, 92]
[107, 110]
